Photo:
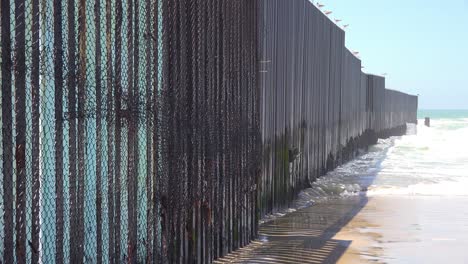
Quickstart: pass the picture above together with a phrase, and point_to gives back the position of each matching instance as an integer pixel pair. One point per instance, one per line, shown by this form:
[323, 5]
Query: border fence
[317, 107]
[161, 131]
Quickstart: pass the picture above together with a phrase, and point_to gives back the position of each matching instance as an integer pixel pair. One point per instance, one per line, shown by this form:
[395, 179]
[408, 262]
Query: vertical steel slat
[58, 86]
[71, 83]
[19, 67]
[7, 134]
[118, 129]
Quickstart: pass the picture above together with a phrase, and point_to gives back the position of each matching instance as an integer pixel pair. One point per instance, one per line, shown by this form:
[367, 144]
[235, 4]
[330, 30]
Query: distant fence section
[317, 107]
[157, 131]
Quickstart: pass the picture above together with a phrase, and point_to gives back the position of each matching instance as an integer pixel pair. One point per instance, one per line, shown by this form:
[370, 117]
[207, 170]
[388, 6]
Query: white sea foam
[429, 161]
[421, 189]
[432, 162]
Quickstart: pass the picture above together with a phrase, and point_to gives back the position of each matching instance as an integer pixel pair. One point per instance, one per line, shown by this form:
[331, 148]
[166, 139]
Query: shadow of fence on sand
[305, 236]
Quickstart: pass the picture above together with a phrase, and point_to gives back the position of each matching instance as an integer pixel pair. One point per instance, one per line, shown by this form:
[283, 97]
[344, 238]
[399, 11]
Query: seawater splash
[428, 161]
[432, 163]
[350, 179]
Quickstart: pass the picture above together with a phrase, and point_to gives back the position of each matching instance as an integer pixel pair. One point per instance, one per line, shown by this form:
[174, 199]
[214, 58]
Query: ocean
[430, 161]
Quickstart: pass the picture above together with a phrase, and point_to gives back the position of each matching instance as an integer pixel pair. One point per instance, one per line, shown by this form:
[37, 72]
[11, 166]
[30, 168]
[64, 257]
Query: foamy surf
[428, 161]
[433, 162]
[438, 189]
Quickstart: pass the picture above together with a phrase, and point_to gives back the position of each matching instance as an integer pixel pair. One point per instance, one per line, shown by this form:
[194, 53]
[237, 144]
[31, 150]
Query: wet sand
[365, 230]
[408, 229]
[304, 236]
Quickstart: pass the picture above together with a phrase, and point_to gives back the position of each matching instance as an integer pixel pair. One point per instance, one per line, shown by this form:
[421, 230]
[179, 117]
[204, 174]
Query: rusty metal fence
[160, 131]
[129, 130]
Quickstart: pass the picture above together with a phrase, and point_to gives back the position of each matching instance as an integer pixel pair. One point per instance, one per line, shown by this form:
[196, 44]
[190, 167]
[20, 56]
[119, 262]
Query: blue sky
[421, 44]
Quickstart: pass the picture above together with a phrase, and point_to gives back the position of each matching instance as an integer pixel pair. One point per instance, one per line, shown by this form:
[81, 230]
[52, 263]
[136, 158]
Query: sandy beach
[408, 229]
[365, 229]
